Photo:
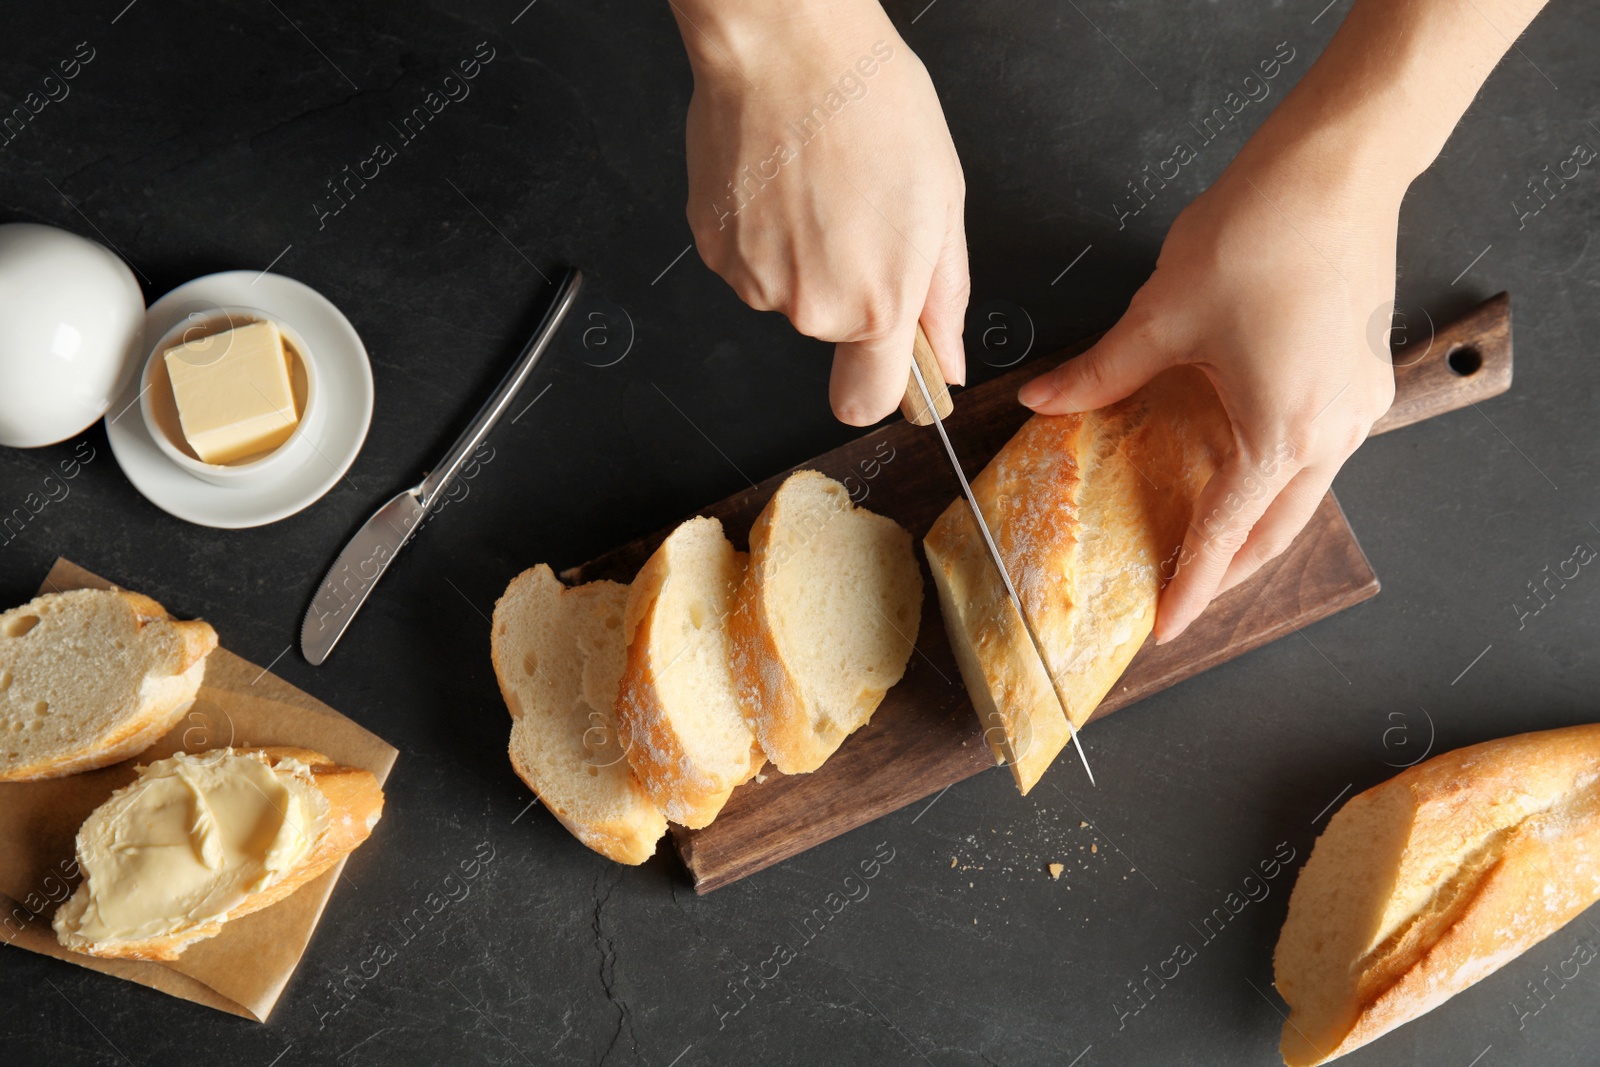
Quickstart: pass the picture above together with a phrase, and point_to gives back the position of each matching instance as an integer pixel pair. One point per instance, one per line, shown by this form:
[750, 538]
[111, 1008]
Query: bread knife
[921, 408]
[368, 554]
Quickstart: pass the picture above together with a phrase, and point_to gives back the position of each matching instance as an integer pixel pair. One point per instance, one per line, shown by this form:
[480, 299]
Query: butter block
[233, 392]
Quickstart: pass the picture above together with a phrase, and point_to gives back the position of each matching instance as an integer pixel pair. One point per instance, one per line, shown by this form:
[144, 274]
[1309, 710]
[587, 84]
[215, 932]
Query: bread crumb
[952, 862]
[761, 779]
[1056, 869]
[1081, 825]
[1094, 848]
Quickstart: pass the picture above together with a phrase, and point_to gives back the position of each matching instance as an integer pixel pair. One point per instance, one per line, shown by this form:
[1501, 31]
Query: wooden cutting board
[925, 735]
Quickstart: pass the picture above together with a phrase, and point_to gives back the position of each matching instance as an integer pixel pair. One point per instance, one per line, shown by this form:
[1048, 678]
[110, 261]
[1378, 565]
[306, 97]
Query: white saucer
[344, 381]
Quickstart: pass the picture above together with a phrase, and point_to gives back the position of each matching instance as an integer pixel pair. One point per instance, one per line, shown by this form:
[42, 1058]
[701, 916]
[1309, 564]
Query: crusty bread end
[1088, 511]
[1433, 880]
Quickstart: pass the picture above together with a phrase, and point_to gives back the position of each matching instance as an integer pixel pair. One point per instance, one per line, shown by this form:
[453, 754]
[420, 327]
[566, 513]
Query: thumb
[869, 376]
[1120, 362]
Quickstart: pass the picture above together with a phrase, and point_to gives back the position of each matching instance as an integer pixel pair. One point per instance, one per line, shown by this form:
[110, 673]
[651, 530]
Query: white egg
[71, 318]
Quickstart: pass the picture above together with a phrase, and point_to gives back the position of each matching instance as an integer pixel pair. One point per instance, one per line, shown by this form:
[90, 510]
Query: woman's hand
[1278, 281]
[1270, 282]
[823, 184]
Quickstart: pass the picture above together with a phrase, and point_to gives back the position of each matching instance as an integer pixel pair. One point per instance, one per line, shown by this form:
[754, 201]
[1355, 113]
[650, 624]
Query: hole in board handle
[1464, 360]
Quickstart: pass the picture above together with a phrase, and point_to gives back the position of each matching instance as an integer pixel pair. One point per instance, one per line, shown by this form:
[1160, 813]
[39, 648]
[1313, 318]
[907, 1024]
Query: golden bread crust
[1088, 512]
[686, 792]
[1500, 844]
[796, 734]
[772, 702]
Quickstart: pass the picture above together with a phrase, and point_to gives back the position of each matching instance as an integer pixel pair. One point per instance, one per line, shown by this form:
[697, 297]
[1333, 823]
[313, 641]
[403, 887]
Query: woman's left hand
[1270, 282]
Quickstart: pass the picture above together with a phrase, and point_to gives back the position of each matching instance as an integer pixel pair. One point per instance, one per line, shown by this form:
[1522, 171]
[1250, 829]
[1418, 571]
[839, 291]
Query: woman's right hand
[823, 184]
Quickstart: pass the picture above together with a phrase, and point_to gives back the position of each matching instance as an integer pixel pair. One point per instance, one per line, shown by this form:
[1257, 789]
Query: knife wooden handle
[912, 406]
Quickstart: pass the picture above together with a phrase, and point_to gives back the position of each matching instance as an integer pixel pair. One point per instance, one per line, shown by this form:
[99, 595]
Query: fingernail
[1035, 393]
[1170, 634]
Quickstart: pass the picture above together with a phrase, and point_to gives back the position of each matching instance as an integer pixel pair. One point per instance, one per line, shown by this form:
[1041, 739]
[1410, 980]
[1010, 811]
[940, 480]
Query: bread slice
[1423, 885]
[91, 677]
[678, 711]
[340, 806]
[827, 618]
[559, 654]
[1088, 512]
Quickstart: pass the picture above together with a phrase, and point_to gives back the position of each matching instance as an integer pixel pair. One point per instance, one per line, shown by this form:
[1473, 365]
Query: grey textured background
[198, 139]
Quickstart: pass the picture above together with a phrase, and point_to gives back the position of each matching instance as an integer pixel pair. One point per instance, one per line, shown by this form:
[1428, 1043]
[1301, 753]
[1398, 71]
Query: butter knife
[356, 570]
[921, 407]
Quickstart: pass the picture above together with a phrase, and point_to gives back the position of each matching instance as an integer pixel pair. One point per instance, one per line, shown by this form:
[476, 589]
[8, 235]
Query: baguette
[1088, 511]
[324, 812]
[1425, 884]
[91, 677]
[559, 655]
[827, 617]
[678, 711]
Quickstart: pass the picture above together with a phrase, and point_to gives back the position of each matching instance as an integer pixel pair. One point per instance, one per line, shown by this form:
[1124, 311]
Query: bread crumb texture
[559, 655]
[829, 613]
[91, 677]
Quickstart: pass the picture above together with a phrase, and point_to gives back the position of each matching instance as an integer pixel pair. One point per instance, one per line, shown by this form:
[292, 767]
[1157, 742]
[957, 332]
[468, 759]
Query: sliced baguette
[1088, 511]
[678, 711]
[1423, 885]
[354, 805]
[827, 618]
[91, 677]
[559, 654]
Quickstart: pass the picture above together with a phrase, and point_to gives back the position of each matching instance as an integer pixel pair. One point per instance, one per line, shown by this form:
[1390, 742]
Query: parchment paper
[243, 969]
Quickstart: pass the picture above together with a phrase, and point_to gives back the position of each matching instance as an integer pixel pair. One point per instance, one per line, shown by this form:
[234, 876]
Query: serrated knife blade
[932, 414]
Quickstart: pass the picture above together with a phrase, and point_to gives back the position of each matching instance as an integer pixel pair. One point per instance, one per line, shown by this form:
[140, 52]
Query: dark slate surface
[200, 138]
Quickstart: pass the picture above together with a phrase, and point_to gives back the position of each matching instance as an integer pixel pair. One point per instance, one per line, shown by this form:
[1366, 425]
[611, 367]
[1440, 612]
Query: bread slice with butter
[91, 677]
[1089, 512]
[678, 711]
[559, 655]
[200, 839]
[1434, 880]
[828, 615]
